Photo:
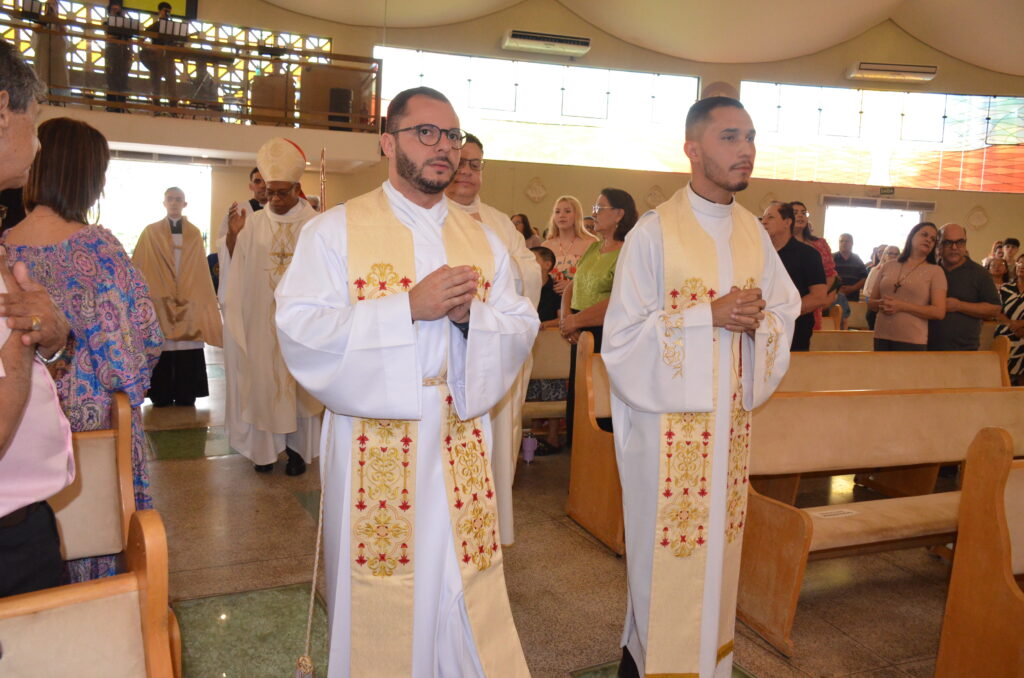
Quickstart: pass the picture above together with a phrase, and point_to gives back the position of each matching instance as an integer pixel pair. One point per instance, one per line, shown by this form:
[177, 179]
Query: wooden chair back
[988, 335]
[550, 355]
[870, 370]
[858, 319]
[116, 627]
[595, 494]
[842, 340]
[93, 512]
[981, 629]
[876, 429]
[832, 317]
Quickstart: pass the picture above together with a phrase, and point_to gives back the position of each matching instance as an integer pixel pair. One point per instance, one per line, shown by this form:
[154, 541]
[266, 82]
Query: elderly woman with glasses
[585, 299]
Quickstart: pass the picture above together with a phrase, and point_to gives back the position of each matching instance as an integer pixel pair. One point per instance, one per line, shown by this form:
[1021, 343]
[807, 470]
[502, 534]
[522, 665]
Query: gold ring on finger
[37, 323]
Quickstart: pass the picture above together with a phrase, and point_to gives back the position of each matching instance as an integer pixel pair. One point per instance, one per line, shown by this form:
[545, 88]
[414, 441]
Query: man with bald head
[971, 295]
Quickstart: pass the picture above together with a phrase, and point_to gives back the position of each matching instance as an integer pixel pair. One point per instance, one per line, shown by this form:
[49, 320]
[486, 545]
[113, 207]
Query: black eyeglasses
[430, 135]
[476, 164]
[962, 242]
[279, 192]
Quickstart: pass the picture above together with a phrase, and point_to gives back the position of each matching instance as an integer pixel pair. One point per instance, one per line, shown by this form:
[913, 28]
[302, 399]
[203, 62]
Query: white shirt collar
[706, 207]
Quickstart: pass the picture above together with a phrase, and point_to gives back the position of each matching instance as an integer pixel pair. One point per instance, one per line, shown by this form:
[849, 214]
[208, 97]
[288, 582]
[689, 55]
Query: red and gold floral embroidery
[474, 514]
[381, 281]
[685, 468]
[739, 458]
[382, 499]
[692, 292]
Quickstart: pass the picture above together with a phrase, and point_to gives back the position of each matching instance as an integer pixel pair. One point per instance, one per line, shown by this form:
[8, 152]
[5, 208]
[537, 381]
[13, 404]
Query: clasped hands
[889, 305]
[448, 291]
[28, 307]
[739, 310]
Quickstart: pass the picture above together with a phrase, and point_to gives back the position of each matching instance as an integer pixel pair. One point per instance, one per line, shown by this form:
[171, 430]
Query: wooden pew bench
[858, 319]
[983, 628]
[550, 361]
[842, 340]
[907, 428]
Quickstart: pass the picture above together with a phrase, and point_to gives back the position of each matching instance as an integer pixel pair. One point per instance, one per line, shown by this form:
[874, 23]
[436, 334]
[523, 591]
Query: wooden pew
[550, 361]
[983, 628]
[842, 340]
[832, 317]
[858, 319]
[595, 494]
[906, 429]
[113, 627]
[988, 334]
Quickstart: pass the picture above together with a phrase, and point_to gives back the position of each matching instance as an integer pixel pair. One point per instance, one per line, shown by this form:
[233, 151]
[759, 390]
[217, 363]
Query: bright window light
[869, 226]
[134, 195]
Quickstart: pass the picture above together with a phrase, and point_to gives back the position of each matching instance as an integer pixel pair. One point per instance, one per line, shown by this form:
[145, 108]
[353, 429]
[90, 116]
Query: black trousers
[179, 377]
[30, 553]
[890, 345]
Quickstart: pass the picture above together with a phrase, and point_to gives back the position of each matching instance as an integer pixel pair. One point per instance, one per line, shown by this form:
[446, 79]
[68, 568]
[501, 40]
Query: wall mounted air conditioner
[872, 70]
[545, 43]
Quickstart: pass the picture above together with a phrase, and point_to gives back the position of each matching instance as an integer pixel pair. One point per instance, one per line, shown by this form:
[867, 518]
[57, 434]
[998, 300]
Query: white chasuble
[414, 568]
[682, 431]
[271, 409]
[507, 415]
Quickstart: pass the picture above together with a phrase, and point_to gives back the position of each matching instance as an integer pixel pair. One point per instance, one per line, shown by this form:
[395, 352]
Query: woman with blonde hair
[567, 238]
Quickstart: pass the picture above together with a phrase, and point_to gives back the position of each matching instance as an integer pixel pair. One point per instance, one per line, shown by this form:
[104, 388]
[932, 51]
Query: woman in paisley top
[115, 334]
[567, 238]
[1012, 296]
[586, 297]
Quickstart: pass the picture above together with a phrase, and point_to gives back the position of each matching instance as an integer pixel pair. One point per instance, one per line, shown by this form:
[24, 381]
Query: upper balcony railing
[194, 69]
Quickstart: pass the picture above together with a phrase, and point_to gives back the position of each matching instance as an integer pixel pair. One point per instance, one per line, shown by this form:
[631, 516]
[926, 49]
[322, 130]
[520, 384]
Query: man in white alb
[697, 334]
[272, 413]
[400, 314]
[507, 415]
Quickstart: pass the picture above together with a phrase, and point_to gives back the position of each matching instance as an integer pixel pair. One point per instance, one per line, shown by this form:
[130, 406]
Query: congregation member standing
[36, 457]
[567, 238]
[400, 314]
[696, 335]
[272, 414]
[170, 256]
[522, 224]
[803, 231]
[971, 296]
[910, 292]
[115, 333]
[803, 264]
[850, 268]
[585, 299]
[1012, 327]
[1009, 253]
[507, 415]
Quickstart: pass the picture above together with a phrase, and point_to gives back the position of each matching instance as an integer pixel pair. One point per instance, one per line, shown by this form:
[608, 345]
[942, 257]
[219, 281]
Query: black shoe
[263, 468]
[546, 450]
[162, 403]
[296, 466]
[187, 402]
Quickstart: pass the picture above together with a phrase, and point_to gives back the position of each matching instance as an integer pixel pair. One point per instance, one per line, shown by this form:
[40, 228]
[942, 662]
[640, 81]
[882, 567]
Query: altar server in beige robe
[507, 415]
[272, 413]
[401, 315]
[697, 334]
[171, 256]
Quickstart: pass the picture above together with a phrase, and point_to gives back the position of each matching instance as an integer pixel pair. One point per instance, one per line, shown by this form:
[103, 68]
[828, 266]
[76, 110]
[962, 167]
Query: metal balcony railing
[192, 69]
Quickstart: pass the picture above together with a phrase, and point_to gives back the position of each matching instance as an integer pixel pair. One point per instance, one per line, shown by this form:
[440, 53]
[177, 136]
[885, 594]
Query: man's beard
[719, 177]
[408, 170]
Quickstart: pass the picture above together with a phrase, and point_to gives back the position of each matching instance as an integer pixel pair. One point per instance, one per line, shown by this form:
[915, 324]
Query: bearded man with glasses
[971, 296]
[400, 314]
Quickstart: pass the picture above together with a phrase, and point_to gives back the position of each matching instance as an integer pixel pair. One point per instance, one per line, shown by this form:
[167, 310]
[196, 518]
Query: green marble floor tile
[257, 634]
[611, 670]
[310, 500]
[189, 443]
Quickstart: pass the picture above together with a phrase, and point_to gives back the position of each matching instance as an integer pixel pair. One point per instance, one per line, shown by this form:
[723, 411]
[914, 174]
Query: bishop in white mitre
[507, 415]
[401, 316]
[272, 413]
[697, 334]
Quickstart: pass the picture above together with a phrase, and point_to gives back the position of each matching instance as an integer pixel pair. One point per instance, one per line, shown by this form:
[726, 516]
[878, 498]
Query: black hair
[1013, 242]
[701, 111]
[905, 254]
[18, 79]
[808, 233]
[398, 105]
[473, 139]
[786, 212]
[621, 200]
[162, 5]
[254, 172]
[545, 254]
[527, 229]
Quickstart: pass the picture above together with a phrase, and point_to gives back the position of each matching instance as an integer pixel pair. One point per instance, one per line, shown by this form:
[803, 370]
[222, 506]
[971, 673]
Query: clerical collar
[439, 211]
[705, 206]
[255, 204]
[175, 226]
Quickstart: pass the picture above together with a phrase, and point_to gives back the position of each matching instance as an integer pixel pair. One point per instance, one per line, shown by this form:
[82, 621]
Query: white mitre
[281, 160]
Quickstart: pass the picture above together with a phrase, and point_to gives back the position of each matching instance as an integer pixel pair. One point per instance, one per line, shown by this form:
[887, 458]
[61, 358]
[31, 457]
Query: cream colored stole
[381, 261]
[684, 467]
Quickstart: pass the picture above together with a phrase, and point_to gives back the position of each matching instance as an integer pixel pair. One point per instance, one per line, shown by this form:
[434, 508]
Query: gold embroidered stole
[381, 261]
[688, 444]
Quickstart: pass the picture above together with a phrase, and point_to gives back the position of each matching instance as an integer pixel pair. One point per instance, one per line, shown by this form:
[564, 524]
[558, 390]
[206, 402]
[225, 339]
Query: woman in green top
[585, 300]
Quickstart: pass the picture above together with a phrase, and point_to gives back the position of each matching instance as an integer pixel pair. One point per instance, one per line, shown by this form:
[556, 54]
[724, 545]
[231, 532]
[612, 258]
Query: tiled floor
[241, 545]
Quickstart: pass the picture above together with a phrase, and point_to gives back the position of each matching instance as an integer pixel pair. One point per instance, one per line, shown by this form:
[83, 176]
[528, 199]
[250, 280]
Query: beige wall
[505, 182]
